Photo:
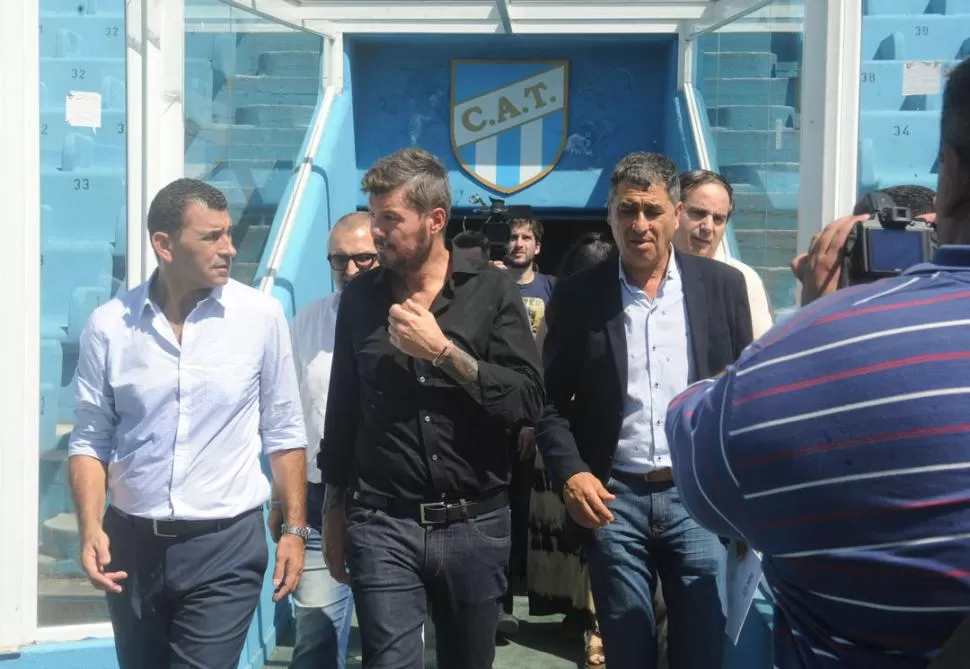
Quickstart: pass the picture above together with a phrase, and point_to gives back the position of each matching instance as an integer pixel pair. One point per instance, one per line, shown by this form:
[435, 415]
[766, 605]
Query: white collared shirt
[758, 302]
[182, 426]
[658, 369]
[313, 332]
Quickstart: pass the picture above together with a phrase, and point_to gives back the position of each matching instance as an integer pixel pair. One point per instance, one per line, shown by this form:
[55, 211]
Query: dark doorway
[558, 236]
[559, 232]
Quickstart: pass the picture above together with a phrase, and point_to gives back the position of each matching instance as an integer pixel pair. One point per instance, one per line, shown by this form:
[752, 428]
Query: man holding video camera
[839, 445]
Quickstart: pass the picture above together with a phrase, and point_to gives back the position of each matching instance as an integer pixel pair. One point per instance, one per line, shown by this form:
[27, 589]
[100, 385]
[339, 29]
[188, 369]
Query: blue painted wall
[622, 98]
[619, 100]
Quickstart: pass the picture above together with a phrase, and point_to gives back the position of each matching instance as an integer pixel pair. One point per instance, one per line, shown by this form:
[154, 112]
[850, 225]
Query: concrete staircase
[245, 128]
[749, 82]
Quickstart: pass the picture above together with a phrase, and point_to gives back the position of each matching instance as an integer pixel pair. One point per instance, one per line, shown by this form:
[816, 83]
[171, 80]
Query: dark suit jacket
[585, 356]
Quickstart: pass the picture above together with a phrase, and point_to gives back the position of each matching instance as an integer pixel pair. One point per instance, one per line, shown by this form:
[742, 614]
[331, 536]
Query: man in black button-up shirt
[434, 368]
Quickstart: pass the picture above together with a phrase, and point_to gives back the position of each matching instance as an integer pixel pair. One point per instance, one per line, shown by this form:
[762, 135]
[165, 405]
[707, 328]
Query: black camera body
[887, 244]
[495, 224]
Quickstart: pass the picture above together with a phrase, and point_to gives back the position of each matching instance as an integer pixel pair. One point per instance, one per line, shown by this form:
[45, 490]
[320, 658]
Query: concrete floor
[538, 645]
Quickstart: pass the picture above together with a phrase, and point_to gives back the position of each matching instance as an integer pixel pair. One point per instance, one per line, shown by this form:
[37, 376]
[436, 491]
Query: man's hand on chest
[413, 330]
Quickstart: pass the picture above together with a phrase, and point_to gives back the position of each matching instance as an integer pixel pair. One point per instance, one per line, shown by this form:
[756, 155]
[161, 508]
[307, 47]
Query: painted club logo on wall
[508, 119]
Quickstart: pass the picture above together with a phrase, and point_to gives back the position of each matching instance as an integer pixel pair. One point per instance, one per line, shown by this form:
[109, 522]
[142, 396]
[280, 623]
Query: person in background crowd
[623, 339]
[434, 371]
[708, 202]
[470, 249]
[323, 607]
[558, 578]
[182, 383]
[524, 244]
[838, 445]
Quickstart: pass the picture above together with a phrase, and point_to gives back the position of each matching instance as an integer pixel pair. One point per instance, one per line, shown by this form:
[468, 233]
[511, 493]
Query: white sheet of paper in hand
[743, 577]
[922, 77]
[83, 109]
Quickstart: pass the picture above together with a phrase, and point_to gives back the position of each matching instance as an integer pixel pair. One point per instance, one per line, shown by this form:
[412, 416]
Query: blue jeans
[323, 610]
[399, 567]
[652, 534]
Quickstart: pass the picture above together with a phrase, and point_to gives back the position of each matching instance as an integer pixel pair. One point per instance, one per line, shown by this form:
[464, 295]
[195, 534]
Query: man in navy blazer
[623, 339]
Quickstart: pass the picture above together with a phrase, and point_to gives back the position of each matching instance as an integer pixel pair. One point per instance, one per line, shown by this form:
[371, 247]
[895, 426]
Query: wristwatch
[302, 532]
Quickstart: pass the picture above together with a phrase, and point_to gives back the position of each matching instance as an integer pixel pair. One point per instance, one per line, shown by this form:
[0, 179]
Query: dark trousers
[520, 495]
[399, 567]
[187, 602]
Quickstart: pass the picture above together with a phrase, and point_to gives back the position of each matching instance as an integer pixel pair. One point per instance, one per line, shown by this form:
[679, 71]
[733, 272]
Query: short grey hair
[955, 124]
[420, 173]
[643, 170]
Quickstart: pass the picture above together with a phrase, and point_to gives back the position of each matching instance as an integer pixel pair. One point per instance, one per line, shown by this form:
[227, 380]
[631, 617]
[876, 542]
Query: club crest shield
[508, 119]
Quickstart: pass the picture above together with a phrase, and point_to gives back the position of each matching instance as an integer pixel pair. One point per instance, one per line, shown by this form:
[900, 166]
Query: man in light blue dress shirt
[182, 384]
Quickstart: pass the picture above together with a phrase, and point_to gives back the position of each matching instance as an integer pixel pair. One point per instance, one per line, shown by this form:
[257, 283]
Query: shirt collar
[217, 294]
[950, 256]
[673, 271]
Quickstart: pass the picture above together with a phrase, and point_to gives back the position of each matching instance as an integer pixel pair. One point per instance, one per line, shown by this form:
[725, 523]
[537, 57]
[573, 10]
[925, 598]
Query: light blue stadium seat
[732, 65]
[66, 400]
[81, 149]
[54, 128]
[66, 35]
[84, 300]
[84, 203]
[898, 148]
[741, 91]
[882, 7]
[49, 413]
[121, 232]
[953, 7]
[922, 37]
[756, 146]
[62, 75]
[881, 88]
[66, 268]
[753, 117]
[80, 7]
[51, 361]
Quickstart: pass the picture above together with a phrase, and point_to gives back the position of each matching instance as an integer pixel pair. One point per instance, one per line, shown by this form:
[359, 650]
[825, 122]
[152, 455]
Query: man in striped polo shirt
[839, 444]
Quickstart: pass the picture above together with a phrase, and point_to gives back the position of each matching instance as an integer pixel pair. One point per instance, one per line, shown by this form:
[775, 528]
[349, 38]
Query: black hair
[589, 250]
[471, 239]
[919, 200]
[167, 209]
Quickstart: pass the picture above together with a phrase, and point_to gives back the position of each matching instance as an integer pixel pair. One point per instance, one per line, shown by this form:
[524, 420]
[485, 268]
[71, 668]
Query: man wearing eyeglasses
[323, 607]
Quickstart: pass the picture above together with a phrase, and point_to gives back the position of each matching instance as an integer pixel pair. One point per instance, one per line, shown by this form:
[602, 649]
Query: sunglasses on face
[339, 261]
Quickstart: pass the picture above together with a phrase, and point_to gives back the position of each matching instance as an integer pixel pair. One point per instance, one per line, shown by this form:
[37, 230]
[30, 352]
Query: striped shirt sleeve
[696, 432]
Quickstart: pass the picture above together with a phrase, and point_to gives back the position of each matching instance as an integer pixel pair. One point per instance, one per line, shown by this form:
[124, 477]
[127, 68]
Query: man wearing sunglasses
[323, 607]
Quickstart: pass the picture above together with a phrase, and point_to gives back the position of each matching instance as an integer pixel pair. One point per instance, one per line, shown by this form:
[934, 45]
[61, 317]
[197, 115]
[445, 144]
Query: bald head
[351, 248]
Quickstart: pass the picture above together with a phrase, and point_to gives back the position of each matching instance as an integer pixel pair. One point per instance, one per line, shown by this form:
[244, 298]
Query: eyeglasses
[339, 261]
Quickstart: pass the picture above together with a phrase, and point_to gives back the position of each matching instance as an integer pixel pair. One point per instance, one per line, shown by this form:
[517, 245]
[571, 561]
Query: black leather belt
[433, 513]
[172, 529]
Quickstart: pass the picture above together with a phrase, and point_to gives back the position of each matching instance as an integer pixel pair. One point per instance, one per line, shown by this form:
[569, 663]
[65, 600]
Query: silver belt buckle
[434, 506]
[159, 534]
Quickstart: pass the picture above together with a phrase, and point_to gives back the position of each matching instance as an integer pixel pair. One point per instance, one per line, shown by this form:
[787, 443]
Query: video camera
[495, 226]
[887, 244]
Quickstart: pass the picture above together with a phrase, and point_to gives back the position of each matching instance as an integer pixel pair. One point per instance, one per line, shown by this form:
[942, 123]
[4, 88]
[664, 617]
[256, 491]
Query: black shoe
[508, 625]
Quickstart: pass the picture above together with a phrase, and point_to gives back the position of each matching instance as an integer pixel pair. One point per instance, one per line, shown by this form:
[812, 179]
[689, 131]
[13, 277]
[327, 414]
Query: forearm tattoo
[464, 365]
